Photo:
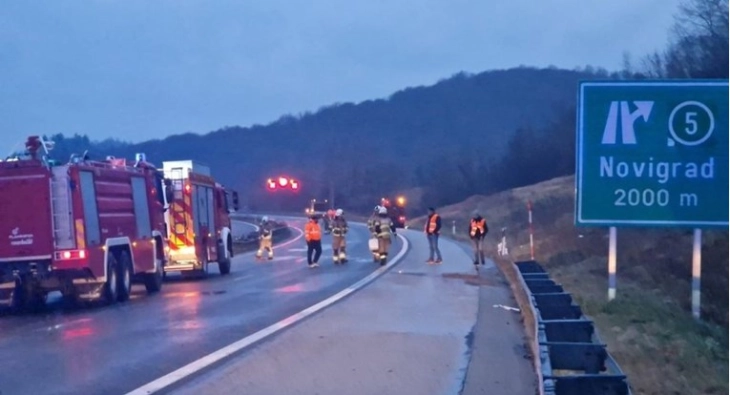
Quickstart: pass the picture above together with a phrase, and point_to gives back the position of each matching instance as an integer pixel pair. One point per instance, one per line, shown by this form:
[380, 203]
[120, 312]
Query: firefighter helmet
[339, 212]
[264, 219]
[382, 210]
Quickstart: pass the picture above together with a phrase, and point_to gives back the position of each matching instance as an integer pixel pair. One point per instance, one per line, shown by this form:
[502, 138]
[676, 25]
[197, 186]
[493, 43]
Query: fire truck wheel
[111, 286]
[224, 258]
[124, 276]
[153, 281]
[224, 267]
[27, 297]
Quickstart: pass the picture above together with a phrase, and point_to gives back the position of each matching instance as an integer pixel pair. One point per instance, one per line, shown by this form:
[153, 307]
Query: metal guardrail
[572, 359]
[253, 237]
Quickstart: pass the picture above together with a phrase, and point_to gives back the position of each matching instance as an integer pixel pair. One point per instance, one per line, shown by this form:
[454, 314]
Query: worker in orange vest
[478, 230]
[433, 229]
[313, 236]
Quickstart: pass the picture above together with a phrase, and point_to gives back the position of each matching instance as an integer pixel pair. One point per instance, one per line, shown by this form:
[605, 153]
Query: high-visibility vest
[478, 227]
[312, 232]
[431, 224]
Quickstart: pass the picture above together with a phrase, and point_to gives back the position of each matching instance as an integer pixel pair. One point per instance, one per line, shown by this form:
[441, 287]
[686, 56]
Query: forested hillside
[444, 138]
[465, 135]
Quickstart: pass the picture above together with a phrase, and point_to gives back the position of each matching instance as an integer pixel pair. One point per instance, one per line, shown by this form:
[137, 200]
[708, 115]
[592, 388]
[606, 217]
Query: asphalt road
[115, 349]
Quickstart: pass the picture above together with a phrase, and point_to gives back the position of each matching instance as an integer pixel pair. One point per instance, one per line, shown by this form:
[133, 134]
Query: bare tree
[698, 46]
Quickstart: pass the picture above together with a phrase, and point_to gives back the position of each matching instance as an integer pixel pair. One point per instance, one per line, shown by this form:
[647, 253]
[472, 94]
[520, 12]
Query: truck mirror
[169, 194]
[234, 196]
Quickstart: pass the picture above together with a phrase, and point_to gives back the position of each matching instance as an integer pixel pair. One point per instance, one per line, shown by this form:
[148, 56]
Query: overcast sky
[138, 69]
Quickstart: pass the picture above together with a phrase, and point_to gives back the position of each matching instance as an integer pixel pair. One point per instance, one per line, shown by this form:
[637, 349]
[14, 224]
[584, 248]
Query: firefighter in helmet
[339, 230]
[384, 230]
[373, 234]
[265, 239]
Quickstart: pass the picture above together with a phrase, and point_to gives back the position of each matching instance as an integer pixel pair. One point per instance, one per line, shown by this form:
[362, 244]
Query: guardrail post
[612, 263]
[696, 272]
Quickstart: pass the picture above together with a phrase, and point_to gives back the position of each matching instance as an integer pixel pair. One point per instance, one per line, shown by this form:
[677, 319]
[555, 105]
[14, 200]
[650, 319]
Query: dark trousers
[477, 245]
[314, 246]
[433, 246]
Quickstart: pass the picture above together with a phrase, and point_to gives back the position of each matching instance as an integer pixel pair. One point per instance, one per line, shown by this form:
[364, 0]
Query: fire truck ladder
[177, 213]
[61, 209]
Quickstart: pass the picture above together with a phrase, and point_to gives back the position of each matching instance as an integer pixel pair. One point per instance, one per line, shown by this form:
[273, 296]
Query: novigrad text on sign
[662, 171]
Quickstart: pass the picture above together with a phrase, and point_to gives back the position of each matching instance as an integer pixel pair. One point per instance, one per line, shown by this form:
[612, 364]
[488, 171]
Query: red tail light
[70, 254]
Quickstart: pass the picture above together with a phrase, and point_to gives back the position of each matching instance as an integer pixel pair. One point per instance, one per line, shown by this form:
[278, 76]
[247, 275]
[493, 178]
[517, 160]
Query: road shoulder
[500, 362]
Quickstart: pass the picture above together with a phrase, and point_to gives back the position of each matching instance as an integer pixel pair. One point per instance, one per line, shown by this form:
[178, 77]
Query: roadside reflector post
[453, 227]
[611, 263]
[529, 220]
[696, 272]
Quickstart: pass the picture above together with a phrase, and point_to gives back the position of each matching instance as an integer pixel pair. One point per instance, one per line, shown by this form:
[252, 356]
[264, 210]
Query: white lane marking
[301, 234]
[195, 366]
[252, 225]
[286, 243]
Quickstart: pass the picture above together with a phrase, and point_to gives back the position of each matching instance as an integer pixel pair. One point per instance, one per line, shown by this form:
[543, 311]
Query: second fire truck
[199, 226]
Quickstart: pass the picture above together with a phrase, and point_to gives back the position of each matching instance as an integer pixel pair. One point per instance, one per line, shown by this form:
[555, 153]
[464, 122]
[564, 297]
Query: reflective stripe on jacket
[339, 226]
[383, 227]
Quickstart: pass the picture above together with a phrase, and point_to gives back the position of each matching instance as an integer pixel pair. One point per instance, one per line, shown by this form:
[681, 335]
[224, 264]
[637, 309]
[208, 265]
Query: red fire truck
[198, 221]
[86, 228]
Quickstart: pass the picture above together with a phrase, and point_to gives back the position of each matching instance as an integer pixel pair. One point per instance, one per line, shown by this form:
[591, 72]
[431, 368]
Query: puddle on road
[189, 294]
[213, 292]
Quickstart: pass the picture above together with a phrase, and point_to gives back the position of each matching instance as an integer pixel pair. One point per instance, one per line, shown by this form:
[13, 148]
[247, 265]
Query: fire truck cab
[86, 228]
[198, 221]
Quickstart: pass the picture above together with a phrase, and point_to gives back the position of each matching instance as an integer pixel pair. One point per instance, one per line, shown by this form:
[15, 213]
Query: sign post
[652, 154]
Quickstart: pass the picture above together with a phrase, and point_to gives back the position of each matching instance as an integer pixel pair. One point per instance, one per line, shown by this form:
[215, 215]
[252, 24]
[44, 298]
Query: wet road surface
[115, 349]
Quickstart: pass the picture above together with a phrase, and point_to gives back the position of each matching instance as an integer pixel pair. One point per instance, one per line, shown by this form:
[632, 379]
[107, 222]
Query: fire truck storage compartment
[25, 212]
[203, 215]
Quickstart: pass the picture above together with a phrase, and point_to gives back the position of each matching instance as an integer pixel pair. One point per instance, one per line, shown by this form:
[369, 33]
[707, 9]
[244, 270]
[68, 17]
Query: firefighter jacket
[433, 224]
[266, 230]
[478, 228]
[371, 223]
[339, 226]
[312, 231]
[383, 227]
